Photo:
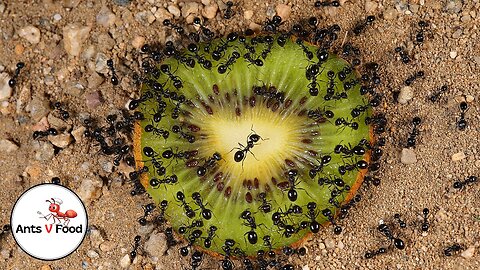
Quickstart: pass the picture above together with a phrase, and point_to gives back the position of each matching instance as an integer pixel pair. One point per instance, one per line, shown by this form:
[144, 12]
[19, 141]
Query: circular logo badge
[49, 221]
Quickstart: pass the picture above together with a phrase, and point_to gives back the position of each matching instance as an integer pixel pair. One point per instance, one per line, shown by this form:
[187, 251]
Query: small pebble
[210, 11]
[90, 189]
[107, 246]
[305, 267]
[406, 94]
[321, 246]
[74, 37]
[93, 99]
[390, 14]
[458, 156]
[408, 156]
[92, 254]
[61, 140]
[38, 108]
[248, 14]
[174, 10]
[453, 6]
[45, 267]
[468, 253]
[7, 146]
[5, 253]
[162, 14]
[283, 11]
[125, 261]
[122, 2]
[101, 63]
[57, 17]
[458, 33]
[370, 6]
[190, 8]
[5, 89]
[43, 150]
[469, 98]
[453, 54]
[105, 17]
[340, 245]
[95, 236]
[138, 42]
[30, 33]
[78, 133]
[329, 243]
[156, 245]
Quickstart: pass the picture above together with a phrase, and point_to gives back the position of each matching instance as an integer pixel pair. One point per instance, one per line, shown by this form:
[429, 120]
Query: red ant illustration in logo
[54, 208]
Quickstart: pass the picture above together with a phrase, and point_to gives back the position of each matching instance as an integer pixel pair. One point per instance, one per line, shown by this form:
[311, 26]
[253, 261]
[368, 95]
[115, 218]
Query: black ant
[248, 47]
[202, 170]
[328, 214]
[63, 113]
[371, 254]
[170, 238]
[311, 73]
[114, 78]
[157, 131]
[397, 242]
[222, 68]
[178, 130]
[341, 121]
[211, 233]
[269, 40]
[266, 206]
[425, 223]
[136, 242]
[437, 95]
[40, 134]
[205, 31]
[6, 228]
[168, 154]
[420, 36]
[193, 48]
[258, 62]
[461, 184]
[360, 26]
[195, 224]
[272, 25]
[121, 152]
[223, 46]
[312, 214]
[175, 27]
[177, 82]
[403, 55]
[56, 180]
[318, 168]
[250, 222]
[169, 180]
[13, 81]
[227, 264]
[411, 141]
[401, 223]
[358, 110]
[206, 213]
[306, 51]
[134, 103]
[148, 209]
[462, 123]
[252, 139]
[411, 79]
[319, 4]
[320, 115]
[229, 12]
[188, 210]
[160, 218]
[196, 259]
[451, 249]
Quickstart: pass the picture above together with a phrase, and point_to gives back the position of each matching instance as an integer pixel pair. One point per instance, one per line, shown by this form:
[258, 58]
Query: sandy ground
[450, 55]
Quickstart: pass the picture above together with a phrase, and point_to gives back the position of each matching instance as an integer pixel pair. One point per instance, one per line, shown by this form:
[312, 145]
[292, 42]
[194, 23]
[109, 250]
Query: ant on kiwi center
[252, 140]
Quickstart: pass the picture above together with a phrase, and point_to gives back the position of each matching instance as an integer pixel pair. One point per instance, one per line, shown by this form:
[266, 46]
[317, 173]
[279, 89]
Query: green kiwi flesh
[222, 112]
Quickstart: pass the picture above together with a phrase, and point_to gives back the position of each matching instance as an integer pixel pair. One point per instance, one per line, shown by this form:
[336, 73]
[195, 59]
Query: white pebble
[329, 243]
[453, 54]
[458, 156]
[105, 17]
[30, 33]
[156, 245]
[92, 254]
[305, 267]
[57, 17]
[5, 89]
[90, 189]
[408, 156]
[406, 94]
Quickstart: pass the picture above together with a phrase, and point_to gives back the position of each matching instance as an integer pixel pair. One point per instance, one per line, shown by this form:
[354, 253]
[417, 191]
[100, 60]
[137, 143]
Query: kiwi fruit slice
[253, 142]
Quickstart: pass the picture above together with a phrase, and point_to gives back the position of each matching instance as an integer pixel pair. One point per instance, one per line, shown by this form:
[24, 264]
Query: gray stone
[93, 99]
[105, 17]
[156, 245]
[122, 2]
[90, 189]
[43, 150]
